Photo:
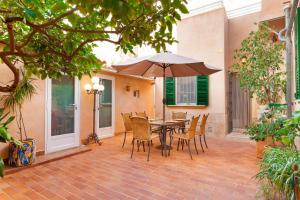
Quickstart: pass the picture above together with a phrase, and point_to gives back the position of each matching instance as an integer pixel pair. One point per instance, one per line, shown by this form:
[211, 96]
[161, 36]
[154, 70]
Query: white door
[62, 114]
[105, 115]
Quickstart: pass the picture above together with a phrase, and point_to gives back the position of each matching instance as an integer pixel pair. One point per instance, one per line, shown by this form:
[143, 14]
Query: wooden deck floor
[223, 172]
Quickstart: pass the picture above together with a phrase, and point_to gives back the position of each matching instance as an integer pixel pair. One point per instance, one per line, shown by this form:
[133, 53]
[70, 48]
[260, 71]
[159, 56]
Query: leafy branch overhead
[258, 65]
[55, 37]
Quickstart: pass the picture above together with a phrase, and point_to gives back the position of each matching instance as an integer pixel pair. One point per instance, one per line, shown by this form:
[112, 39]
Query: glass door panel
[105, 105]
[62, 106]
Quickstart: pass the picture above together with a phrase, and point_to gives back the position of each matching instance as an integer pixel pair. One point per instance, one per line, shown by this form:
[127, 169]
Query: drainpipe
[288, 60]
[290, 13]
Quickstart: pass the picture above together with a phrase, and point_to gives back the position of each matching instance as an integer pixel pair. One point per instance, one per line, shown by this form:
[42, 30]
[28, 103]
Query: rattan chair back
[140, 128]
[192, 129]
[126, 120]
[141, 114]
[203, 124]
[179, 115]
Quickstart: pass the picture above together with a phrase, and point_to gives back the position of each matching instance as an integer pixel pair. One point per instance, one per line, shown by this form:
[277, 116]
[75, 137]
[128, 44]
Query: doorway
[239, 105]
[105, 115]
[62, 114]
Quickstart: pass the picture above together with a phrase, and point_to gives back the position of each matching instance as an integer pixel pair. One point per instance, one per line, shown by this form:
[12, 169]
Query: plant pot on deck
[262, 145]
[22, 155]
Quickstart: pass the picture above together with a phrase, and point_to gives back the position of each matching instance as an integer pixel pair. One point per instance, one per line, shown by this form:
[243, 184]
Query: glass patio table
[164, 125]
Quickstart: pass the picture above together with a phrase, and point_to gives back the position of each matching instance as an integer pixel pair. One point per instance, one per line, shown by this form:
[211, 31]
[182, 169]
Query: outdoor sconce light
[136, 93]
[96, 89]
[127, 88]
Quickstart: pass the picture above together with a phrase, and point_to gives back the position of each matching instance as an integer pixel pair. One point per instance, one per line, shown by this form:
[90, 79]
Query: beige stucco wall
[203, 37]
[125, 101]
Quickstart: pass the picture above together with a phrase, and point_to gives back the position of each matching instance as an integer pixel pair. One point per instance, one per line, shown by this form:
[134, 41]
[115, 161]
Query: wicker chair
[188, 136]
[202, 131]
[179, 115]
[127, 125]
[141, 132]
[141, 114]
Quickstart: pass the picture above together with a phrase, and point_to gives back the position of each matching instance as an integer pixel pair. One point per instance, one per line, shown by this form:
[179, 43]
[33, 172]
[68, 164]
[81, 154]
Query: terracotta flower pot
[22, 155]
[261, 146]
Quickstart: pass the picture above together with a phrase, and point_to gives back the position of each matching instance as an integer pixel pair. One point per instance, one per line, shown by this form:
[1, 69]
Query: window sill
[187, 106]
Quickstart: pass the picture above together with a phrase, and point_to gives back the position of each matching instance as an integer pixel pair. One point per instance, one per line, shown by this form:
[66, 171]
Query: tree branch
[53, 21]
[27, 40]
[15, 71]
[84, 31]
[81, 45]
[10, 28]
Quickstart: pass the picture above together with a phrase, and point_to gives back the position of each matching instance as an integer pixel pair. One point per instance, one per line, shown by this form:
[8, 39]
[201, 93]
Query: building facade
[210, 33]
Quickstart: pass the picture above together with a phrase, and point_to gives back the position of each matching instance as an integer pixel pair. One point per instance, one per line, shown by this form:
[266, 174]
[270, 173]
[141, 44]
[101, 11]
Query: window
[186, 90]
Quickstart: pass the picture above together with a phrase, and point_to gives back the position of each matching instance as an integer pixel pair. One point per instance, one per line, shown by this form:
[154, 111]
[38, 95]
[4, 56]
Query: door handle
[74, 106]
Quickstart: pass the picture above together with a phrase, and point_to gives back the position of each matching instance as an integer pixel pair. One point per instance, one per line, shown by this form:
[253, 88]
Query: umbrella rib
[147, 69]
[194, 69]
[171, 70]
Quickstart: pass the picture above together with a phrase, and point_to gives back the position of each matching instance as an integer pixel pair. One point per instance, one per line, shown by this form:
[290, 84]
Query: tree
[258, 65]
[55, 37]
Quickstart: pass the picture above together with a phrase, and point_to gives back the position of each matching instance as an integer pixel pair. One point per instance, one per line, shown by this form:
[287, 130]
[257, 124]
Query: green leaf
[9, 120]
[29, 13]
[183, 9]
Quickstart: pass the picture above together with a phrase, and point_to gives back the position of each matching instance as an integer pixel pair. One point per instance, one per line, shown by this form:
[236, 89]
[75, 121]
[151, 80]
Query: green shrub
[276, 169]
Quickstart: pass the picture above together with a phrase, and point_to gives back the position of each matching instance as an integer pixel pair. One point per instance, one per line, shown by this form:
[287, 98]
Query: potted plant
[266, 131]
[23, 154]
[259, 132]
[258, 66]
[276, 172]
[5, 136]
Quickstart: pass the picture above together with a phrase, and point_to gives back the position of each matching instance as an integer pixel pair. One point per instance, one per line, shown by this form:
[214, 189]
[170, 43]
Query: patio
[224, 171]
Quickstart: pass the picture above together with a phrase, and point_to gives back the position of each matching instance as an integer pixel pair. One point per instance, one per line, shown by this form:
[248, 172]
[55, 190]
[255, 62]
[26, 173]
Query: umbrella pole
[164, 92]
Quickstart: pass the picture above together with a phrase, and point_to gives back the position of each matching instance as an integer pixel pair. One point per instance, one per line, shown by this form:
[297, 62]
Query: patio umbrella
[164, 65]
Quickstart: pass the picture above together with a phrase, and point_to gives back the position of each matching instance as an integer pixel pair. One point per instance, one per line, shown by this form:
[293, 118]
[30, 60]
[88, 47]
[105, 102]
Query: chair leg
[151, 143]
[201, 143]
[171, 140]
[148, 151]
[190, 149]
[124, 139]
[144, 146]
[132, 147]
[182, 144]
[195, 145]
[138, 144]
[178, 144]
[205, 141]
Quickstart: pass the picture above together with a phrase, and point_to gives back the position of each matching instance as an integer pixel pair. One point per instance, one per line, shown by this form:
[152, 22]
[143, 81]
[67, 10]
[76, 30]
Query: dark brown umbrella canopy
[175, 65]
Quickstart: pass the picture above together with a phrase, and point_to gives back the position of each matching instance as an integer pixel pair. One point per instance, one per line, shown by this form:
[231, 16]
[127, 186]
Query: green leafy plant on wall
[53, 38]
[5, 136]
[258, 66]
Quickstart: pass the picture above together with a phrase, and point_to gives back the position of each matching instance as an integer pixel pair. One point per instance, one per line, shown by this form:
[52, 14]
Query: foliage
[276, 169]
[257, 63]
[5, 136]
[290, 129]
[15, 99]
[257, 131]
[56, 37]
[269, 125]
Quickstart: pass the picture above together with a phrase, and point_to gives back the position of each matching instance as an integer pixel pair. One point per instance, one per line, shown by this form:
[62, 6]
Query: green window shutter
[170, 91]
[297, 54]
[202, 90]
